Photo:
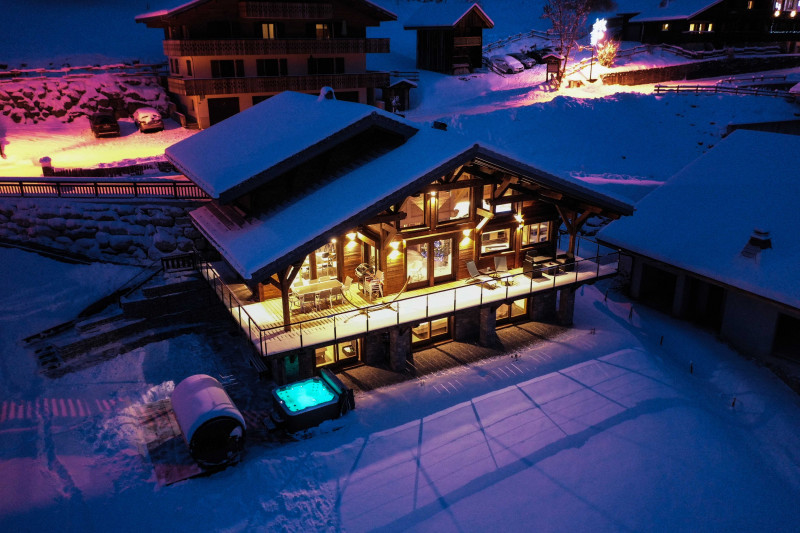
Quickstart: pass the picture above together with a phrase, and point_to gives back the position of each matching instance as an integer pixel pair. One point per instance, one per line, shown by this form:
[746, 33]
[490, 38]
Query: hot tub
[310, 402]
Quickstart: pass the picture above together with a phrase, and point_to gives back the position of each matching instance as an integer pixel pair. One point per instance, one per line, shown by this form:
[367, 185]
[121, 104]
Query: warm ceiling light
[777, 13]
[351, 236]
[433, 193]
[793, 14]
[333, 241]
[518, 218]
[394, 245]
[466, 232]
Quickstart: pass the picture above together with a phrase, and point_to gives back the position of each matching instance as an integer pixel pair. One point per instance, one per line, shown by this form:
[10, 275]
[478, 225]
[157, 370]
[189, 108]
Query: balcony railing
[249, 47]
[356, 322]
[216, 86]
[181, 189]
[285, 10]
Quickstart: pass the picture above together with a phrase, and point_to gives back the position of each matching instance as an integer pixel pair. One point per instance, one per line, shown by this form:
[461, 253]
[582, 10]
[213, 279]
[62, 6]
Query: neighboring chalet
[717, 243]
[713, 23]
[449, 36]
[227, 55]
[357, 235]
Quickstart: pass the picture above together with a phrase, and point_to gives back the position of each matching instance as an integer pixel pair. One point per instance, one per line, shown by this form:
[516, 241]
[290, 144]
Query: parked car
[506, 64]
[527, 62]
[104, 123]
[538, 53]
[148, 119]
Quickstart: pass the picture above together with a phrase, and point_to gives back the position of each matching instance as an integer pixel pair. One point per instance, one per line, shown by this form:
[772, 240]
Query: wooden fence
[721, 89]
[82, 188]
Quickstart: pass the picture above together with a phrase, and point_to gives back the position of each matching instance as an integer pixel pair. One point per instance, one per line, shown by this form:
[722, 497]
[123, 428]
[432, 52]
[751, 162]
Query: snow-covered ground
[602, 429]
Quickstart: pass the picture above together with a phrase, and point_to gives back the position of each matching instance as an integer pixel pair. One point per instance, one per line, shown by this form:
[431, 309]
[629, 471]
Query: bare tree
[569, 24]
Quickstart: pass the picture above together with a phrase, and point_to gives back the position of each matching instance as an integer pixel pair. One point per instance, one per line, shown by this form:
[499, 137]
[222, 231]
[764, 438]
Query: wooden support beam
[386, 218]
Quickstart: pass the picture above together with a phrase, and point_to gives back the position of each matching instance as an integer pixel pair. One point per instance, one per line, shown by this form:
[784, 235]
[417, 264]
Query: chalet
[449, 36]
[357, 235]
[227, 55]
[716, 244]
[713, 23]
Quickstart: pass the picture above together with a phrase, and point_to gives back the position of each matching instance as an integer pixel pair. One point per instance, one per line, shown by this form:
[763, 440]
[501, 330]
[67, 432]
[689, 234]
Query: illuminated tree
[607, 53]
[568, 18]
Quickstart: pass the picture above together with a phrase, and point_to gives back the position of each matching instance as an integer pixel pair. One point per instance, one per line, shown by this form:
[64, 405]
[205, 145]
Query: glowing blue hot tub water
[305, 394]
[310, 402]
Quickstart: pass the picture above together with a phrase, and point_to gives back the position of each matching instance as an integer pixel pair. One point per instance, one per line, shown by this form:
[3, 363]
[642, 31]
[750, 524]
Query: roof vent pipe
[759, 240]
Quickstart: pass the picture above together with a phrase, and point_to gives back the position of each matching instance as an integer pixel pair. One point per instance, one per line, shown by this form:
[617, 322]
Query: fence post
[21, 190]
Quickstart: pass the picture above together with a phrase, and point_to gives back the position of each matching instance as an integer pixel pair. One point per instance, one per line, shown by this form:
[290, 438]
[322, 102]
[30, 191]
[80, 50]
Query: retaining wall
[134, 231]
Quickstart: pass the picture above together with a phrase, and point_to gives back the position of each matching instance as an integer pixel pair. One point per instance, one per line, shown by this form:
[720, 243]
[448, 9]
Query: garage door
[221, 108]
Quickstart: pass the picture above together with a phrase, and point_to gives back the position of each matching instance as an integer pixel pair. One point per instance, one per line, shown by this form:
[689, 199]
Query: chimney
[759, 241]
[326, 93]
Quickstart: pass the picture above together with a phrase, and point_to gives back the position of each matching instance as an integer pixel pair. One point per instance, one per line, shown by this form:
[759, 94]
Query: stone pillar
[466, 325]
[373, 351]
[679, 303]
[487, 335]
[399, 348]
[636, 278]
[307, 363]
[276, 367]
[566, 306]
[542, 306]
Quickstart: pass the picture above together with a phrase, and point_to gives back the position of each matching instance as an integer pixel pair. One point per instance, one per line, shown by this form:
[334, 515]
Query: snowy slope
[592, 432]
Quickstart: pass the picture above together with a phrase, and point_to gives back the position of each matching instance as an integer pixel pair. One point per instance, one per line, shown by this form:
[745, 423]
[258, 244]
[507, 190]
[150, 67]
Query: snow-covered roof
[444, 15]
[250, 147]
[385, 14]
[675, 10]
[702, 218]
[335, 207]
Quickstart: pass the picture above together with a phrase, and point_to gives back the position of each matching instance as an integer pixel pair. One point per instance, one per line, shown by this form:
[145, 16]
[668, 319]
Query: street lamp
[598, 32]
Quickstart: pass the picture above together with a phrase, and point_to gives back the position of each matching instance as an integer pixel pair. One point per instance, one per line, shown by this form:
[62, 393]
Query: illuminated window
[750, 4]
[665, 26]
[537, 232]
[495, 241]
[710, 26]
[692, 27]
[414, 208]
[512, 310]
[268, 31]
[323, 31]
[453, 204]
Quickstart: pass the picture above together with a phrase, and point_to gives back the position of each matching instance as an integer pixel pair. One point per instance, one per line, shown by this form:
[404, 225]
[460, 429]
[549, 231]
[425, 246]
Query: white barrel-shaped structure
[212, 426]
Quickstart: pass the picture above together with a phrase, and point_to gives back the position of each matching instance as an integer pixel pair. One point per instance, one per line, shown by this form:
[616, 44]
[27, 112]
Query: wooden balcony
[285, 10]
[220, 86]
[467, 41]
[250, 47]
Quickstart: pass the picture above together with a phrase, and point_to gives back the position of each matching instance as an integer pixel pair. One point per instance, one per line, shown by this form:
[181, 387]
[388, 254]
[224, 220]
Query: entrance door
[221, 108]
[429, 261]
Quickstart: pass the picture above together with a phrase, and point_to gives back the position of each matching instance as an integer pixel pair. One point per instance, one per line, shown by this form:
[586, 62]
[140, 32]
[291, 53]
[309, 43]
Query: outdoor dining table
[314, 288]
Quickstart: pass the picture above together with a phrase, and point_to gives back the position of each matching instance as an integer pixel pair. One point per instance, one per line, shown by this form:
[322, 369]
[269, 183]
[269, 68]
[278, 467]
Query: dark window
[326, 65]
[227, 68]
[271, 67]
[257, 99]
[188, 67]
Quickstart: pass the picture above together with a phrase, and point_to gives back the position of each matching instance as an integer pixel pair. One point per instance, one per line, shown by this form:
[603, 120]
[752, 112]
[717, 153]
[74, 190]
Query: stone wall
[32, 100]
[123, 231]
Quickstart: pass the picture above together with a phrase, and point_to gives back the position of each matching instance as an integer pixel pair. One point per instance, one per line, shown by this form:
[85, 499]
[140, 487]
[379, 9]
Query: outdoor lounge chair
[501, 269]
[475, 275]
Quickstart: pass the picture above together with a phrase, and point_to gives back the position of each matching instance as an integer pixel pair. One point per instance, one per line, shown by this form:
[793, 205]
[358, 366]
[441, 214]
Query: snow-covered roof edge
[653, 16]
[413, 24]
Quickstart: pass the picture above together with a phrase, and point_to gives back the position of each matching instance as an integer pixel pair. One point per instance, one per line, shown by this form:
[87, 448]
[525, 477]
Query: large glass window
[495, 240]
[417, 262]
[323, 30]
[430, 330]
[336, 352]
[488, 194]
[271, 67]
[268, 31]
[227, 68]
[453, 204]
[442, 257]
[414, 208]
[514, 309]
[537, 232]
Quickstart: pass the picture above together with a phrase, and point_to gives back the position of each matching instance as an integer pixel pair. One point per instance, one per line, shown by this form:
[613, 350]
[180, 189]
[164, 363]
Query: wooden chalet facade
[227, 55]
[381, 221]
[449, 36]
[714, 24]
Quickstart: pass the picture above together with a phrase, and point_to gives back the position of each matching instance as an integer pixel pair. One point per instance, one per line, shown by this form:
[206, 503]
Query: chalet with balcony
[449, 36]
[713, 23]
[355, 235]
[227, 55]
[733, 267]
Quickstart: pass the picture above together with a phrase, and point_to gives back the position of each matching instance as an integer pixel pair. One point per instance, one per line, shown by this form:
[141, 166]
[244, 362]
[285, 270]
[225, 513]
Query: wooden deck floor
[264, 320]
